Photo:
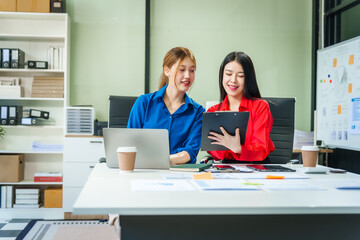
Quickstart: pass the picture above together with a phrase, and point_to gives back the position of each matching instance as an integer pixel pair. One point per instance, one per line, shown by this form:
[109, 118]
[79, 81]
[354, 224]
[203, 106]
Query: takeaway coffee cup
[310, 155]
[126, 158]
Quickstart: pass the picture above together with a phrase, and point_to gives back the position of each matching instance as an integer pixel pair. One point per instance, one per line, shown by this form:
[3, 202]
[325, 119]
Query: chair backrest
[282, 133]
[119, 110]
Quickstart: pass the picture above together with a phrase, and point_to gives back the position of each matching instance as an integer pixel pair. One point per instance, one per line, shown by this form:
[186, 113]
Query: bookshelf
[35, 33]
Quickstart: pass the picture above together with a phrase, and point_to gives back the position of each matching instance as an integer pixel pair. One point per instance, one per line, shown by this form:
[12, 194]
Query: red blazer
[257, 144]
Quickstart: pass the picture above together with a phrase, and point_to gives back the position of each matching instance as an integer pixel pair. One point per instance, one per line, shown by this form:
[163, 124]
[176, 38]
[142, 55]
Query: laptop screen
[152, 146]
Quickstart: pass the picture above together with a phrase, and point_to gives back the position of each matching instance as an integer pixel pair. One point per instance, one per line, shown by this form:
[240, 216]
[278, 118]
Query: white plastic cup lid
[126, 149]
[309, 148]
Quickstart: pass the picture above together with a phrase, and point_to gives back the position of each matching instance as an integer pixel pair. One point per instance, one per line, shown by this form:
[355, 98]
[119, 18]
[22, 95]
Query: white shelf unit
[30, 183]
[40, 213]
[13, 72]
[34, 33]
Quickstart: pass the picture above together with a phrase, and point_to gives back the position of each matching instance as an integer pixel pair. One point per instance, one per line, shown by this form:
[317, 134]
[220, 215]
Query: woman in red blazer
[239, 92]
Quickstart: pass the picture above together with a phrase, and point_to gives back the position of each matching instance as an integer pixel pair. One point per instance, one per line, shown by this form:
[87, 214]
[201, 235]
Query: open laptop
[152, 146]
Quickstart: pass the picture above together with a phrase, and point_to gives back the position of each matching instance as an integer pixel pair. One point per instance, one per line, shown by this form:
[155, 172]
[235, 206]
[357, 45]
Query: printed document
[161, 185]
[223, 185]
[287, 185]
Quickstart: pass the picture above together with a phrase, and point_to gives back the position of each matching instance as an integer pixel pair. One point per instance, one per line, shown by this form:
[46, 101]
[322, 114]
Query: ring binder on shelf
[5, 63]
[17, 58]
[4, 115]
[15, 113]
[39, 114]
[37, 64]
[29, 121]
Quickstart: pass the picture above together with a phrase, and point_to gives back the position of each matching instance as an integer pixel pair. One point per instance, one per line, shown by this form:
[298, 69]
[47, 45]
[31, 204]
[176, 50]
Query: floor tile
[15, 220]
[14, 226]
[9, 233]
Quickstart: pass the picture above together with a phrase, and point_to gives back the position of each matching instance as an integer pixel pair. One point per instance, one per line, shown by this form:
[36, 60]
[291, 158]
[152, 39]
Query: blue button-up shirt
[184, 125]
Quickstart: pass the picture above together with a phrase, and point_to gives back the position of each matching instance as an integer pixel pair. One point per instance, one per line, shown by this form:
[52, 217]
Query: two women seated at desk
[172, 109]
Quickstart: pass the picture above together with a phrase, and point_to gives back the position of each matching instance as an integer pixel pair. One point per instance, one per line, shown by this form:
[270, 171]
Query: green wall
[107, 44]
[107, 51]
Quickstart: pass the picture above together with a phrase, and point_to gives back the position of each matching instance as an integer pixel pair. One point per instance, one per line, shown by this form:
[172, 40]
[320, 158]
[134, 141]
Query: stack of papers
[341, 184]
[27, 198]
[38, 146]
[224, 184]
[292, 185]
[161, 185]
[302, 138]
[173, 185]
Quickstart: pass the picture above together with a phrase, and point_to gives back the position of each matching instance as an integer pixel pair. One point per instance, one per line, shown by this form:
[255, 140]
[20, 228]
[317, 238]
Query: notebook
[188, 167]
[152, 146]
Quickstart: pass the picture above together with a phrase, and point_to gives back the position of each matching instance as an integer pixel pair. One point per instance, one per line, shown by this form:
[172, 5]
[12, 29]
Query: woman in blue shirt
[171, 108]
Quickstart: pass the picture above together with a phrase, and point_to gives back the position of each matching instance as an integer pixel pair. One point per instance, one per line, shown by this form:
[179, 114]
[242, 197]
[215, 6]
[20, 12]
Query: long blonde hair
[177, 54]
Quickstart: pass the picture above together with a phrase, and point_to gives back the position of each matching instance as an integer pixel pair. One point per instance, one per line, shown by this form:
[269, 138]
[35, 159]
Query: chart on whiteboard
[338, 95]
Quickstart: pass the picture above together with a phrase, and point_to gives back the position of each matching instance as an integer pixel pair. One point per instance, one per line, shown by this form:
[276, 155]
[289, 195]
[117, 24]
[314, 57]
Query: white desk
[331, 213]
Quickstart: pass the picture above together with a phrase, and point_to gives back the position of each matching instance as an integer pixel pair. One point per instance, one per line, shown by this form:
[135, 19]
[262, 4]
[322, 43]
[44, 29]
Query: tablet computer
[269, 168]
[212, 121]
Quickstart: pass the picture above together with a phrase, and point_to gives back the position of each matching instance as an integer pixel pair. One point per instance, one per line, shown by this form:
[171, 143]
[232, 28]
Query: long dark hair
[251, 89]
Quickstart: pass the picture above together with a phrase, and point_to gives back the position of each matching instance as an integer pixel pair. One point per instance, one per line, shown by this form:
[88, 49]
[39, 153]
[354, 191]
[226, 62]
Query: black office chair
[282, 133]
[119, 110]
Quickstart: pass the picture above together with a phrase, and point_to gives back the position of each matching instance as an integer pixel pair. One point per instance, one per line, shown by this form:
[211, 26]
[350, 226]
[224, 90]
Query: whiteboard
[338, 95]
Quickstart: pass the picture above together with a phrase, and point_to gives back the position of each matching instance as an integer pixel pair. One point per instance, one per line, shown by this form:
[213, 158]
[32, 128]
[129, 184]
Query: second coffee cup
[310, 156]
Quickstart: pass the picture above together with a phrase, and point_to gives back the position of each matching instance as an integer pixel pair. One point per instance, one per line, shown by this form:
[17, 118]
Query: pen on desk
[274, 177]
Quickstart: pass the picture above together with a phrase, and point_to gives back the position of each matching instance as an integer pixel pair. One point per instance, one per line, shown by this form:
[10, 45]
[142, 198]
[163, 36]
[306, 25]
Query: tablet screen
[269, 168]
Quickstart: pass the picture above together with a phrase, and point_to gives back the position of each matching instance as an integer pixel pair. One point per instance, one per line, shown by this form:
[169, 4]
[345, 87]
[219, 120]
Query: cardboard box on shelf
[48, 87]
[12, 168]
[8, 5]
[53, 198]
[33, 6]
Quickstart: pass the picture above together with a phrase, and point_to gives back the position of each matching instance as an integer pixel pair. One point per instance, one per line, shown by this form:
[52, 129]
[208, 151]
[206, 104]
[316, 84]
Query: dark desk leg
[327, 159]
[253, 227]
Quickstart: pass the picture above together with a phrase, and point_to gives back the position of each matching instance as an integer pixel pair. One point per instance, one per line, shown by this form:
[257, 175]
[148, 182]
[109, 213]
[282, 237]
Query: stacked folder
[6, 196]
[302, 138]
[48, 87]
[27, 198]
[48, 177]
